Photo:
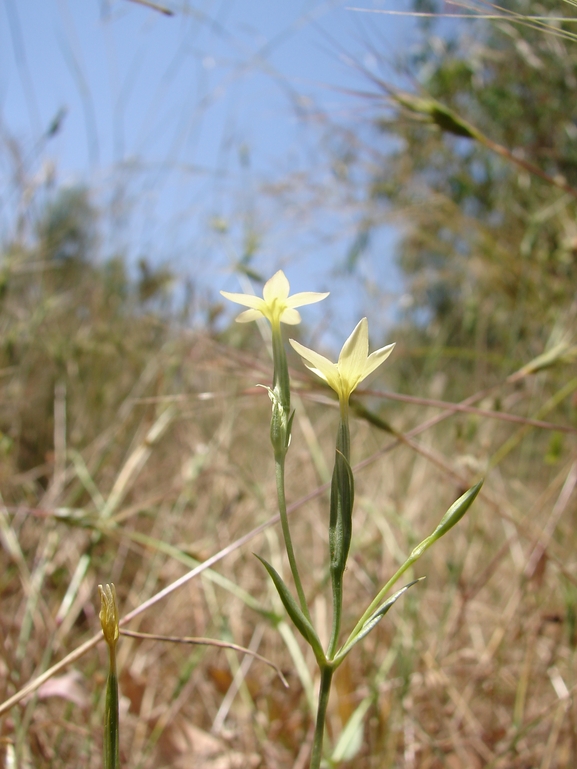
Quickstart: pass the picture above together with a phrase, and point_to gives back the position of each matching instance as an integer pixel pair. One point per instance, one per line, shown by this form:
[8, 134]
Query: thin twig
[462, 407]
[199, 641]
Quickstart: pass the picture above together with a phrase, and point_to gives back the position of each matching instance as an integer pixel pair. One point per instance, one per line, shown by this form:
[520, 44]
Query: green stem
[324, 691]
[280, 436]
[337, 614]
[344, 439]
[344, 433]
[280, 488]
[111, 717]
[281, 380]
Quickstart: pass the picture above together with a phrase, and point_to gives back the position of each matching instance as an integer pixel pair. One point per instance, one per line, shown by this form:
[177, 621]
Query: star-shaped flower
[276, 305]
[354, 364]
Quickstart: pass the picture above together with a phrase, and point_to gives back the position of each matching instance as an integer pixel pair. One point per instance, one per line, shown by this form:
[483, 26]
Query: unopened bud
[109, 613]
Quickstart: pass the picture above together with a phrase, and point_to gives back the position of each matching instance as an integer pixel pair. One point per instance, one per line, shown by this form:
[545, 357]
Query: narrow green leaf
[351, 739]
[294, 611]
[373, 621]
[451, 517]
[561, 353]
[341, 513]
[456, 512]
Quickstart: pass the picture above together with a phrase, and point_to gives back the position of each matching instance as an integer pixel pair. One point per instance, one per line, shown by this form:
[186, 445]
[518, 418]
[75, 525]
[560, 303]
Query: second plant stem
[324, 691]
[280, 487]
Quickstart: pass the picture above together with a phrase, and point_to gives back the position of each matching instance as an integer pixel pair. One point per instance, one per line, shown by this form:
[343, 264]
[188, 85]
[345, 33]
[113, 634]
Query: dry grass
[475, 667]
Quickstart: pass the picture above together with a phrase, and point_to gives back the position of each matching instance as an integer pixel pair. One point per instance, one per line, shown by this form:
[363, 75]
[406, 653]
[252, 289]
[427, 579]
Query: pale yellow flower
[354, 364]
[276, 305]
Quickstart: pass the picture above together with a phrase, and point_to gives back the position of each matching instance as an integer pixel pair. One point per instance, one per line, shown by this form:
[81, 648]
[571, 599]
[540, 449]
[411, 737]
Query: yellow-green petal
[318, 364]
[276, 289]
[248, 300]
[248, 315]
[376, 358]
[290, 316]
[353, 357]
[305, 297]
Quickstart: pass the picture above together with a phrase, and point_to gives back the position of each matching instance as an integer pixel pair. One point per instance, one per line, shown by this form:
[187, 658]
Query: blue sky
[200, 132]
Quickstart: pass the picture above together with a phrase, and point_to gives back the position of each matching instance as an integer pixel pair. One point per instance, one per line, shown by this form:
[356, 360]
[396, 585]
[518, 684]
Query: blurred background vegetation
[134, 445]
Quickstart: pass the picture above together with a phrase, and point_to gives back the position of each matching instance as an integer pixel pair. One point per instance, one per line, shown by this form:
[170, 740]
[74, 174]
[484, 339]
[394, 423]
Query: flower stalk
[110, 629]
[324, 692]
[278, 307]
[280, 433]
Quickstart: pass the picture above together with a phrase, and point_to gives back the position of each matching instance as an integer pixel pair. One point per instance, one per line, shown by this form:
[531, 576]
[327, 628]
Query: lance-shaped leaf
[351, 739]
[295, 612]
[560, 353]
[341, 513]
[451, 517]
[373, 621]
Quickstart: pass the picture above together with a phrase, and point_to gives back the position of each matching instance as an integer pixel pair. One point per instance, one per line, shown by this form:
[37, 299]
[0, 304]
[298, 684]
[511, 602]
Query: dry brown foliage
[473, 668]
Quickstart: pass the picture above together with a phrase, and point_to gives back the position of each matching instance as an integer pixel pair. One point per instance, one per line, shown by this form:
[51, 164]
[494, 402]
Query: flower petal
[315, 371]
[353, 357]
[248, 300]
[376, 358]
[276, 288]
[320, 365]
[290, 316]
[305, 297]
[248, 315]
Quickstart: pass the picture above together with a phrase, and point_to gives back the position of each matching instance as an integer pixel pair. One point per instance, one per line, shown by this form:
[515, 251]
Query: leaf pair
[451, 517]
[373, 621]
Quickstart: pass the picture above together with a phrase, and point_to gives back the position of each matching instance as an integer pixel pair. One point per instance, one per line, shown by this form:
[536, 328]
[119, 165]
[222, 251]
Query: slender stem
[344, 434]
[280, 488]
[324, 691]
[280, 436]
[337, 613]
[111, 718]
[281, 379]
